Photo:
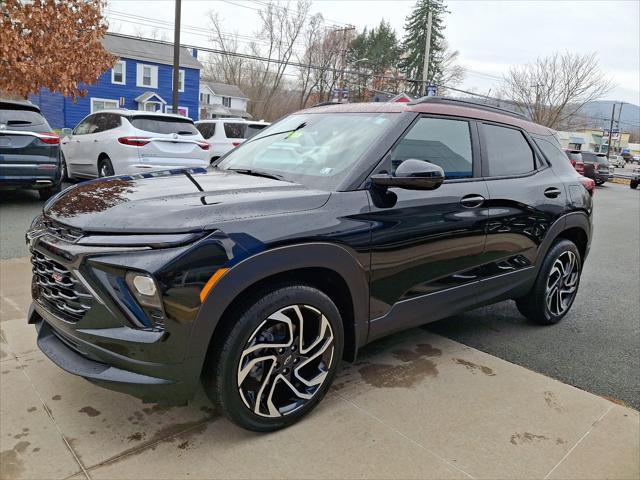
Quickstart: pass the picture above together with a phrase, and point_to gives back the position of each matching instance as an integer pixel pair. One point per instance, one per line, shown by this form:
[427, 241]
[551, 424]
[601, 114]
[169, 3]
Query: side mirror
[67, 132]
[412, 174]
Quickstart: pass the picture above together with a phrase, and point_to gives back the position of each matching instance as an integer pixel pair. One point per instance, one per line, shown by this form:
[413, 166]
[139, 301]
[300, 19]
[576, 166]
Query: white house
[221, 100]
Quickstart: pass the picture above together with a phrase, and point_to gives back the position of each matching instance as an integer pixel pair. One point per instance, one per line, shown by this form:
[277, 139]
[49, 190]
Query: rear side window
[254, 128]
[553, 153]
[21, 118]
[443, 142]
[507, 150]
[206, 129]
[235, 130]
[157, 124]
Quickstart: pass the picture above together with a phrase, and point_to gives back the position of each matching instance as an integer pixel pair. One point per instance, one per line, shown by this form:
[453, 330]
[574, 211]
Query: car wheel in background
[64, 174]
[213, 159]
[556, 286]
[46, 193]
[105, 168]
[633, 184]
[275, 358]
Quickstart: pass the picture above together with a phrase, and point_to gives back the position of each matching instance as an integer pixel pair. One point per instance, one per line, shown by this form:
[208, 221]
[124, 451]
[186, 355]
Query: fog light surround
[144, 288]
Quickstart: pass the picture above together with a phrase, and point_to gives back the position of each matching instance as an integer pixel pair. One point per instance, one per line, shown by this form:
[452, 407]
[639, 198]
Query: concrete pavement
[415, 405]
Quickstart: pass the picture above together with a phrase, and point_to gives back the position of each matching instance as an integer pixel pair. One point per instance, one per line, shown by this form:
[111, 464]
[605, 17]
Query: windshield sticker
[326, 171]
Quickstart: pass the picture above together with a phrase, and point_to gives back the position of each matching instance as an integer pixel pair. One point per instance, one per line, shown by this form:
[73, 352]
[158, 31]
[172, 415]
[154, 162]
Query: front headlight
[146, 291]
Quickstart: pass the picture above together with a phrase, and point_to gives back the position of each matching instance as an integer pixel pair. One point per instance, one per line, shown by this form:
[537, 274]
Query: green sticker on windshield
[295, 134]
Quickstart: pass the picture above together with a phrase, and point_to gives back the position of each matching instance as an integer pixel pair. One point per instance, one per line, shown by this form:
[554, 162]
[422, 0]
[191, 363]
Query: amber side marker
[211, 283]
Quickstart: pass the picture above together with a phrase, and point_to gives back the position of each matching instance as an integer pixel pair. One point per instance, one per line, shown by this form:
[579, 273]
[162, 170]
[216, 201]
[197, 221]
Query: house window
[202, 97]
[98, 104]
[226, 101]
[184, 111]
[147, 76]
[180, 80]
[152, 107]
[119, 73]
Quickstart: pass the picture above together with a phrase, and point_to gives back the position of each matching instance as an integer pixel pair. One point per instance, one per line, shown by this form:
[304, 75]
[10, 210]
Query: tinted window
[85, 126]
[156, 124]
[206, 129]
[234, 130]
[553, 153]
[20, 118]
[446, 143]
[591, 157]
[254, 128]
[508, 151]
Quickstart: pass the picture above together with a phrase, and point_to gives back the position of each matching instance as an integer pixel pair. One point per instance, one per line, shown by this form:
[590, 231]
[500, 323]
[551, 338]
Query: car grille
[58, 290]
[61, 231]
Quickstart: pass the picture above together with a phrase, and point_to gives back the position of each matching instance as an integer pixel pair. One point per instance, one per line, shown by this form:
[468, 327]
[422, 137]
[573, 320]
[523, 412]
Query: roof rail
[322, 104]
[469, 103]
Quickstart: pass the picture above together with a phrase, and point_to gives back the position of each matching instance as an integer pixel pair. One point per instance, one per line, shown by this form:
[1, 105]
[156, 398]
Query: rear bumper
[29, 182]
[136, 168]
[139, 379]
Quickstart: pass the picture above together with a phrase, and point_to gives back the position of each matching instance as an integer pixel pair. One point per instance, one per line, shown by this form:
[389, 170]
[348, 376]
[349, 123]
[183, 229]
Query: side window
[508, 151]
[84, 126]
[206, 129]
[552, 151]
[112, 121]
[443, 142]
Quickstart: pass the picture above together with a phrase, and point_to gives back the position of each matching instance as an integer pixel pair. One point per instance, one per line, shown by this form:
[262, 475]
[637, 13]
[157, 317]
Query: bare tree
[554, 89]
[311, 38]
[451, 73]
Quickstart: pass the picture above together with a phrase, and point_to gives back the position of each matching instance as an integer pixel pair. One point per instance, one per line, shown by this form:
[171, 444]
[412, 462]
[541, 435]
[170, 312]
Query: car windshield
[158, 124]
[315, 149]
[20, 118]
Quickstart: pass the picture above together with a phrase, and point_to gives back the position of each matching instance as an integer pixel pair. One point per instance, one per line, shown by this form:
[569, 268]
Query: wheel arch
[574, 226]
[328, 267]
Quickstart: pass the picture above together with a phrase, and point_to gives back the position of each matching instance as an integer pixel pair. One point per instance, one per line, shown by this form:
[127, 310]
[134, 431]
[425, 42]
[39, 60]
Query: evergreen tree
[415, 38]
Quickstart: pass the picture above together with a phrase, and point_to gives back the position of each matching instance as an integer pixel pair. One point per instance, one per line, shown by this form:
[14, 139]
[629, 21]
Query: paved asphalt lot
[595, 348]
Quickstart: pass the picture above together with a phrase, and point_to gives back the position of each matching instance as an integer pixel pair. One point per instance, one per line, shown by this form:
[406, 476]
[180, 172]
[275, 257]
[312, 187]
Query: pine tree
[415, 39]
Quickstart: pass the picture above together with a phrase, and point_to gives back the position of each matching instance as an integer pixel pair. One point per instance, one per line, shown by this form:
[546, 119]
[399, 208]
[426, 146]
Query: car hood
[172, 202]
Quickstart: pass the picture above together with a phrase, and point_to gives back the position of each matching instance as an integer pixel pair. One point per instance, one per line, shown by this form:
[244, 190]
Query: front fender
[272, 262]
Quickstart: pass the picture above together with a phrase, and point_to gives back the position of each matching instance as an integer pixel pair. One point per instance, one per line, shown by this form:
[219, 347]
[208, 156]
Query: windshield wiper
[258, 173]
[299, 127]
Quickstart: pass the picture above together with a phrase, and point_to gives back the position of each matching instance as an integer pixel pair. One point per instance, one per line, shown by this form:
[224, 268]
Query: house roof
[225, 90]
[146, 96]
[125, 46]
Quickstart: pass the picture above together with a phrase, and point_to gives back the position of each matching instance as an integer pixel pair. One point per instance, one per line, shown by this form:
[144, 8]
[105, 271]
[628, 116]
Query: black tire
[105, 167]
[47, 193]
[633, 184]
[534, 305]
[64, 177]
[228, 351]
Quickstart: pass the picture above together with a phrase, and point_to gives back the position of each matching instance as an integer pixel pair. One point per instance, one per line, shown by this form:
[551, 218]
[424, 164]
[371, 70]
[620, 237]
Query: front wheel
[277, 358]
[47, 193]
[555, 287]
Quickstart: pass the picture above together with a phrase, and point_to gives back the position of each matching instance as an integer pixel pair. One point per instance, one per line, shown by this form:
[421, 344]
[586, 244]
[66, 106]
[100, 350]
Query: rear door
[525, 199]
[173, 141]
[27, 146]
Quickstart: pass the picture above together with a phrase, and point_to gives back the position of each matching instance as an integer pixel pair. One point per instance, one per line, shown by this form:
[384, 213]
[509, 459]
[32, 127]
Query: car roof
[232, 120]
[131, 113]
[457, 108]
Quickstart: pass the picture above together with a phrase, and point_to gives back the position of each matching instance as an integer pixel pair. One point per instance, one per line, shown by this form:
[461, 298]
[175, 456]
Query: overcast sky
[491, 36]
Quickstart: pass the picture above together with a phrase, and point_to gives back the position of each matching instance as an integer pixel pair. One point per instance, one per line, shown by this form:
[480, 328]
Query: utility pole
[613, 114]
[176, 57]
[343, 60]
[427, 51]
[618, 123]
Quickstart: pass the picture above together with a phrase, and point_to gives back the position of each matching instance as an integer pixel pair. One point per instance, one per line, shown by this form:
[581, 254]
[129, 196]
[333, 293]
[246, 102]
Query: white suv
[116, 142]
[224, 134]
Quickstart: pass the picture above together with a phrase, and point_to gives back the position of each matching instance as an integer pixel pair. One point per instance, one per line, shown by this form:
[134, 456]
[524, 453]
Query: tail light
[134, 141]
[589, 184]
[203, 145]
[49, 138]
[579, 166]
[235, 144]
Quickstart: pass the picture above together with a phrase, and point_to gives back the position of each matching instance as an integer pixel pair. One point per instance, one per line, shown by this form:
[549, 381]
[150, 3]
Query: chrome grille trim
[58, 290]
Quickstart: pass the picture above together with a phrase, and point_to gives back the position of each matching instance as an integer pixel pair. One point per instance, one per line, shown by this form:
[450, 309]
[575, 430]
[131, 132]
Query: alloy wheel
[286, 361]
[562, 283]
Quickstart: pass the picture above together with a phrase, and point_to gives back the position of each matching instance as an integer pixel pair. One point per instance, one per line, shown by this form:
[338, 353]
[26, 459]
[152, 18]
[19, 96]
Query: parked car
[617, 161]
[337, 225]
[115, 142]
[29, 150]
[635, 178]
[596, 167]
[636, 159]
[575, 157]
[225, 134]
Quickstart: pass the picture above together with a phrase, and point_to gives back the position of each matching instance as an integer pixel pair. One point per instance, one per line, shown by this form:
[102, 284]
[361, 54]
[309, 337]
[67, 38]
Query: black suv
[29, 150]
[331, 228]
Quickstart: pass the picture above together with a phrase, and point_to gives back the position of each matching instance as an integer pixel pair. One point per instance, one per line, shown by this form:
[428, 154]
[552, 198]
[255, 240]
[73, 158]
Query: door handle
[552, 192]
[96, 140]
[472, 201]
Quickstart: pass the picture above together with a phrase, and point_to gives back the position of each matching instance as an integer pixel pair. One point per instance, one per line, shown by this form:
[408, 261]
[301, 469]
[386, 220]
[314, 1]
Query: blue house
[141, 79]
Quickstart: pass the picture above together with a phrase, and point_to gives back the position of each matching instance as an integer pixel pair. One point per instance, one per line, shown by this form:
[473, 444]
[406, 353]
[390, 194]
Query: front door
[427, 246]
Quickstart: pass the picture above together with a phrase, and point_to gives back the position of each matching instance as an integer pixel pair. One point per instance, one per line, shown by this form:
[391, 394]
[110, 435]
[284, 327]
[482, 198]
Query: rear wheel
[277, 358]
[64, 174]
[105, 168]
[556, 286]
[633, 184]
